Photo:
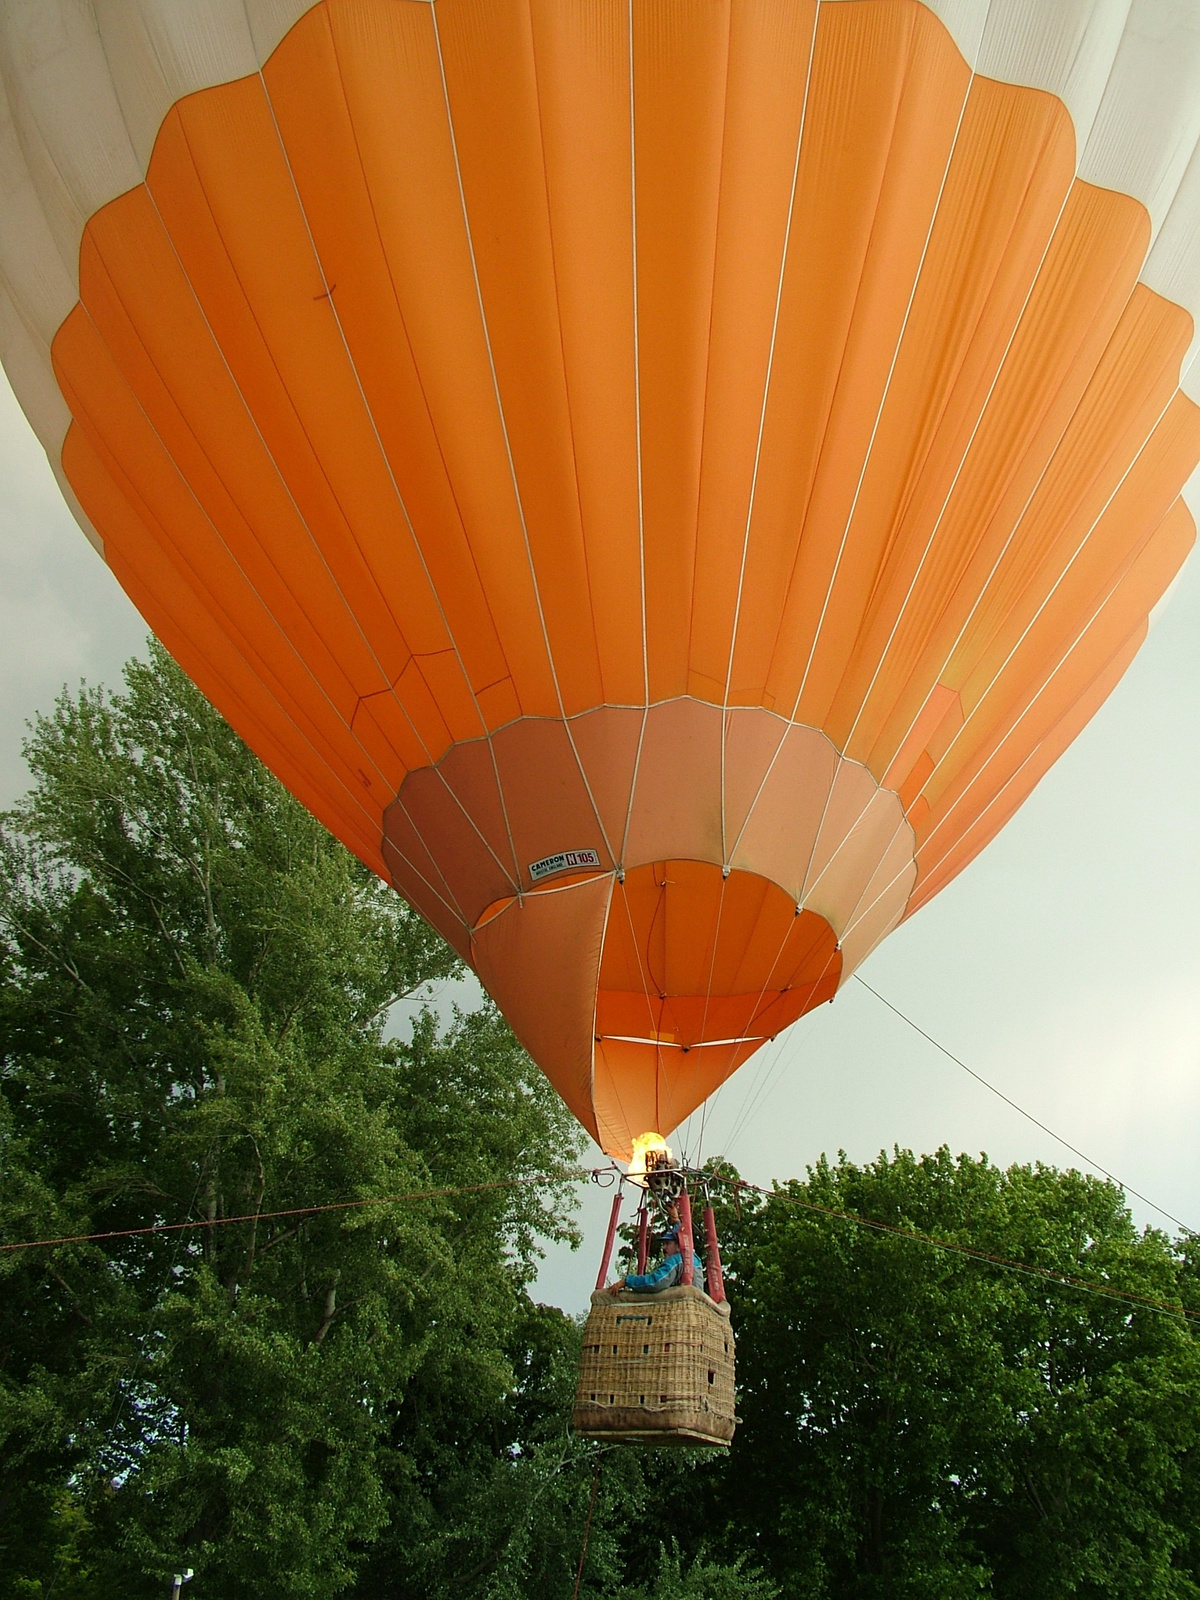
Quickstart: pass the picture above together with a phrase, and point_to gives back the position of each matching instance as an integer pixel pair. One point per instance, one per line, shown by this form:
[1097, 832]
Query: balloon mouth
[650, 1151]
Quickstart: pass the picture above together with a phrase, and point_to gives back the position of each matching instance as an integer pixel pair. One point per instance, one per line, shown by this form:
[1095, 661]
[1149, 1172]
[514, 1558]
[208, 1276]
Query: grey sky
[1064, 964]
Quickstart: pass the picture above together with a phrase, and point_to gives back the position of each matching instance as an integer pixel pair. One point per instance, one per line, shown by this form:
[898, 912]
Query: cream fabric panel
[160, 50]
[1065, 47]
[84, 87]
[1148, 123]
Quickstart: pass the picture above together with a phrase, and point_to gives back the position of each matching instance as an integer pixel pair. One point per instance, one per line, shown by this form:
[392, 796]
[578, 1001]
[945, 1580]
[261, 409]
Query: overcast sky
[1064, 965]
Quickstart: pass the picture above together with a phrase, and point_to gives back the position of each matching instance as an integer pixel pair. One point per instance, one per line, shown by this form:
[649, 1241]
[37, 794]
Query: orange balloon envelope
[661, 479]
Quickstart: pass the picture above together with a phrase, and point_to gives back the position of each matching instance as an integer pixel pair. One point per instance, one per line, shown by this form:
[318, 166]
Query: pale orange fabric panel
[557, 931]
[930, 588]
[887, 93]
[787, 809]
[1048, 700]
[676, 805]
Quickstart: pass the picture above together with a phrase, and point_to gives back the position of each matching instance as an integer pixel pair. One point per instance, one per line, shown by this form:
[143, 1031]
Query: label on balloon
[566, 861]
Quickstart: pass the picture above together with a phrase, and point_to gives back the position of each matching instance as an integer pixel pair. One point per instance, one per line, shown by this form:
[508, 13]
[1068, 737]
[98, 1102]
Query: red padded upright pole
[608, 1243]
[712, 1256]
[685, 1236]
[643, 1239]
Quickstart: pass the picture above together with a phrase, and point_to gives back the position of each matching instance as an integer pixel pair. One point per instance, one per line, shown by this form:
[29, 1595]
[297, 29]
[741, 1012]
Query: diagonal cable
[1028, 1115]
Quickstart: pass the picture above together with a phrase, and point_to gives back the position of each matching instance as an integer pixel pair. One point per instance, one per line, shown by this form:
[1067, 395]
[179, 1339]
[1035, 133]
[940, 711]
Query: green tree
[197, 983]
[917, 1423]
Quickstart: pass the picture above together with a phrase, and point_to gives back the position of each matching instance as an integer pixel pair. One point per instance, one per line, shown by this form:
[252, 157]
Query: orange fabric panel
[222, 671]
[647, 1087]
[349, 200]
[1011, 170]
[581, 60]
[487, 52]
[692, 956]
[681, 65]
[770, 53]
[220, 180]
[387, 78]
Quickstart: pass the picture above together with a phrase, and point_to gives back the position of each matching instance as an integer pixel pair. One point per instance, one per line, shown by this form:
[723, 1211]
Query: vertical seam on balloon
[712, 965]
[512, 466]
[515, 878]
[593, 1039]
[385, 258]
[1032, 622]
[762, 417]
[642, 970]
[571, 427]
[783, 944]
[646, 996]
[637, 416]
[1017, 525]
[855, 916]
[215, 608]
[384, 676]
[850, 832]
[875, 429]
[300, 517]
[1000, 369]
[708, 360]
[216, 344]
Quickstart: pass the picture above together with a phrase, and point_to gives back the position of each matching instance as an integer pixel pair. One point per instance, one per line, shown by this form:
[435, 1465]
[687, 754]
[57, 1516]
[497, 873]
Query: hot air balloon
[661, 480]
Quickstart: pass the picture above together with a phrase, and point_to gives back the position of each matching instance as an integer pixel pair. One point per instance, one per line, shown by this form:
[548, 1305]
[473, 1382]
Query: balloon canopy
[660, 479]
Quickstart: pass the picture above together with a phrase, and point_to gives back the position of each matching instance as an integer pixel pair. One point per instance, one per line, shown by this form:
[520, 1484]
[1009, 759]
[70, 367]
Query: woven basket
[657, 1369]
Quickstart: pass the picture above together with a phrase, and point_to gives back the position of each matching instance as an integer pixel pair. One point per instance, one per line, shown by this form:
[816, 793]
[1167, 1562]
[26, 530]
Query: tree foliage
[920, 1423]
[196, 983]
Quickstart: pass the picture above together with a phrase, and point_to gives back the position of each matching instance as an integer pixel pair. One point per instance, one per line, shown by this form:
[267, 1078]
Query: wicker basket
[657, 1369]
